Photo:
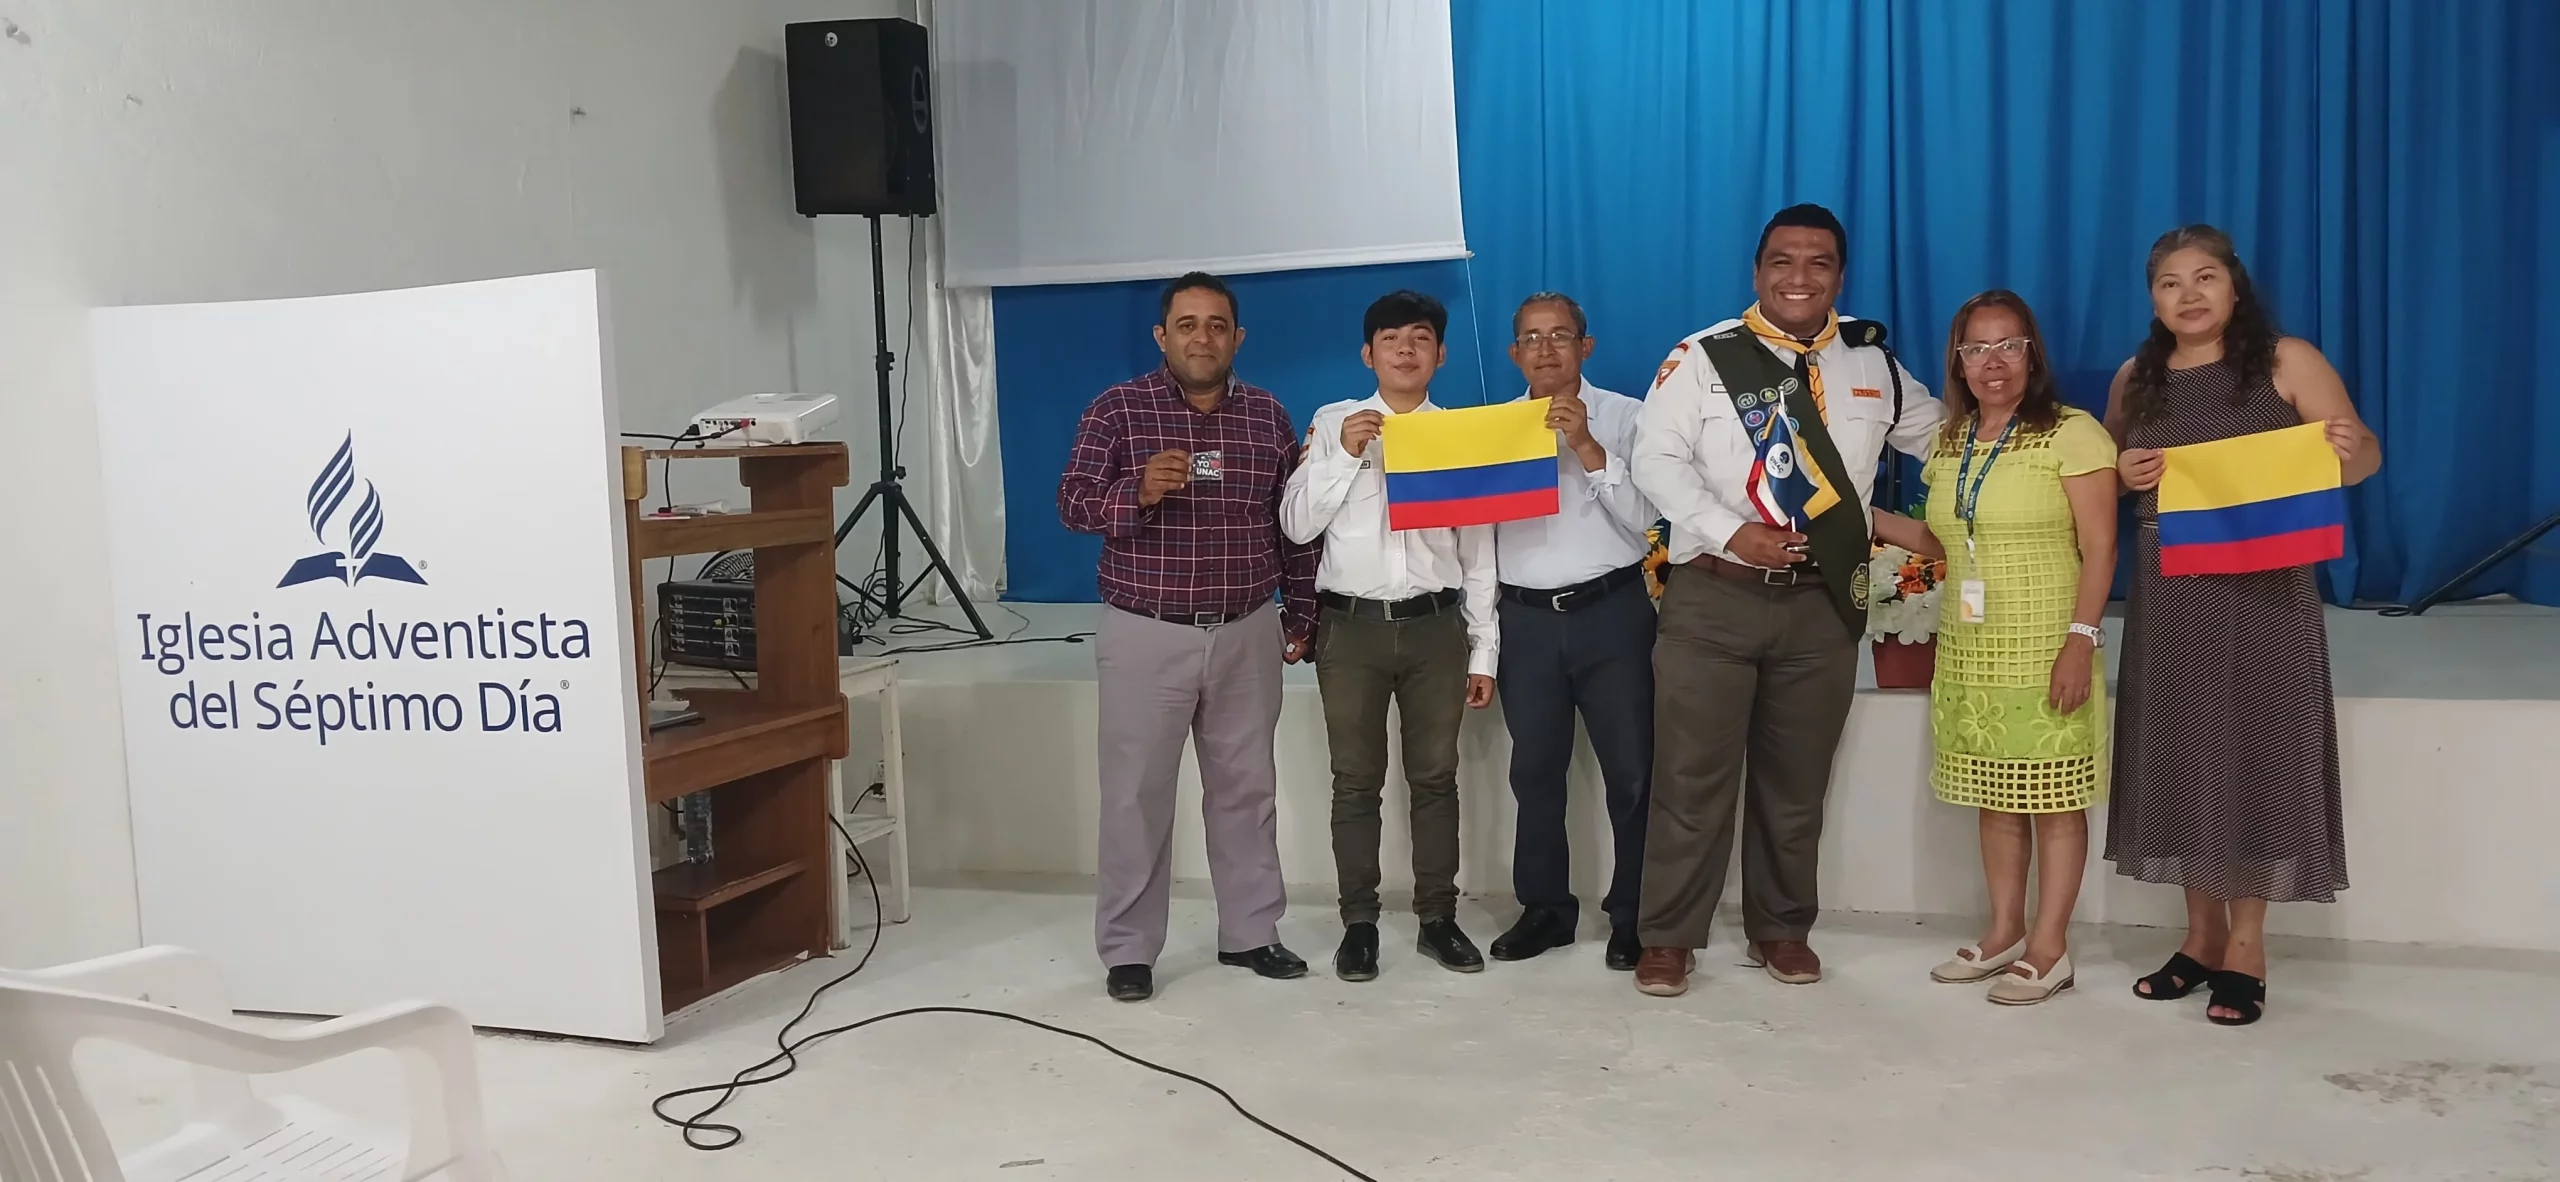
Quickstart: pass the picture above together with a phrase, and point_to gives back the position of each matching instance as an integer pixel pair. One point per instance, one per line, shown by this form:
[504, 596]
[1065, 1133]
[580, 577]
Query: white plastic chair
[171, 1002]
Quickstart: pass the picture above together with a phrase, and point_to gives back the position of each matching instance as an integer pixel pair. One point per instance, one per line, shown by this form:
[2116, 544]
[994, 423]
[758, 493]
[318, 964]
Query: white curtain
[1095, 140]
[955, 327]
[964, 502]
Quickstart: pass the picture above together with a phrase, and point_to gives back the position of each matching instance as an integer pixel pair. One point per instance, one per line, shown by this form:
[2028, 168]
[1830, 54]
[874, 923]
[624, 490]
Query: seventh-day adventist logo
[360, 560]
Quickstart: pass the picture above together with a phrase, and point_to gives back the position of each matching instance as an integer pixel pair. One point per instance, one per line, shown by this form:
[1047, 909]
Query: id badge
[1969, 598]
[1208, 465]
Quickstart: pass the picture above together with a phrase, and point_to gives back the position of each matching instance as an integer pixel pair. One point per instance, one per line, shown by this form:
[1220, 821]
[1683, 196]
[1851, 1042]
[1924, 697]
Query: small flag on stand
[2252, 503]
[1476, 466]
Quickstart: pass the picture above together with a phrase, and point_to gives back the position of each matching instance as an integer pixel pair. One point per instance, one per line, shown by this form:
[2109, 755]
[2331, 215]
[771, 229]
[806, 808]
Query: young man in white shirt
[1577, 636]
[1404, 615]
[1759, 444]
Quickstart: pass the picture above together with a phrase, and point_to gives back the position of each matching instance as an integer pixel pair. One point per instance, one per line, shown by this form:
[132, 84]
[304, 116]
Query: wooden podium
[764, 900]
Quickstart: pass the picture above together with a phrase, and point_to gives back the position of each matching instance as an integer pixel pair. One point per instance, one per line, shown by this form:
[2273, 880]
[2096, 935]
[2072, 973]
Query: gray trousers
[1220, 687]
[1752, 686]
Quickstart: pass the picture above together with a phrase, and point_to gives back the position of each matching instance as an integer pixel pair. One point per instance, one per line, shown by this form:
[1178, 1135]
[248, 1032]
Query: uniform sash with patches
[1797, 477]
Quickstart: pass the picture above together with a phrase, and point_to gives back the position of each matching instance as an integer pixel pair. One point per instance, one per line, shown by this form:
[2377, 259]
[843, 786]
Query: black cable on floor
[787, 1052]
[915, 626]
[957, 645]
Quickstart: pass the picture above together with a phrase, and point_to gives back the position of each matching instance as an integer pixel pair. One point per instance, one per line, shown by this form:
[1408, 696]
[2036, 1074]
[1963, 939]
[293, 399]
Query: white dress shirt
[1693, 457]
[1601, 519]
[1342, 498]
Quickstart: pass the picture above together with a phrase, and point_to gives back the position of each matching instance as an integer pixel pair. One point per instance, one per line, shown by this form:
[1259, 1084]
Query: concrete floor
[2375, 1063]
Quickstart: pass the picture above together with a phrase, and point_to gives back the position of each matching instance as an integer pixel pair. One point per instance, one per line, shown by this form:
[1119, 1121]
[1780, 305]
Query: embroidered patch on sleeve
[1671, 363]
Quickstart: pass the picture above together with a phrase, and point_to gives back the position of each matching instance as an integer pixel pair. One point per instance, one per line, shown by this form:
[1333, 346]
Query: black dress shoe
[1357, 959]
[1538, 930]
[1624, 949]
[1130, 982]
[1270, 960]
[1442, 941]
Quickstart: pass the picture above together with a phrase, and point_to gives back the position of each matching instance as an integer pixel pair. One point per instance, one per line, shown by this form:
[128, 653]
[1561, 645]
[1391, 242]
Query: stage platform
[2449, 725]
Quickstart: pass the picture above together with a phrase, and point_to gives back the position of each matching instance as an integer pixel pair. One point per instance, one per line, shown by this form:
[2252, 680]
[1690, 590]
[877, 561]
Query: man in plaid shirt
[1181, 472]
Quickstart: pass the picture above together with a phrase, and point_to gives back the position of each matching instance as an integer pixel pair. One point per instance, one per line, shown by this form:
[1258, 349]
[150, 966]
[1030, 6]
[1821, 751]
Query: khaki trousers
[1752, 685]
[1421, 665]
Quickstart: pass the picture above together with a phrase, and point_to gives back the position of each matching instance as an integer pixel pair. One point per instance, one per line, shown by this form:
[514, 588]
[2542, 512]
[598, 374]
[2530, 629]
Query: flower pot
[1905, 666]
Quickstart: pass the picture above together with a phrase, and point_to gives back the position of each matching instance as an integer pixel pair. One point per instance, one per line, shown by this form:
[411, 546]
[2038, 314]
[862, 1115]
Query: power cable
[702, 1133]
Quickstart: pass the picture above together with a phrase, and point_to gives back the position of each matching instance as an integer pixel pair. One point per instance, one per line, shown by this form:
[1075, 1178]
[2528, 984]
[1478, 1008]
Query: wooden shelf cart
[871, 821]
[764, 900]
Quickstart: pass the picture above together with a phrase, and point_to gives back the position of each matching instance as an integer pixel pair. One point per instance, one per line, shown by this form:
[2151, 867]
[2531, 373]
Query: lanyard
[1969, 498]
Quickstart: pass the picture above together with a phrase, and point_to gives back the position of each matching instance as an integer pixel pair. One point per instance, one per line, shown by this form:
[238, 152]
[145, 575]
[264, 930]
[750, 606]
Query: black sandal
[2178, 978]
[2241, 992]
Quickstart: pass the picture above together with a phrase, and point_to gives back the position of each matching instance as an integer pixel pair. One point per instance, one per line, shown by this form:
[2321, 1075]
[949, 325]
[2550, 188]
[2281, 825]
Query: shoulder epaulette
[1861, 334]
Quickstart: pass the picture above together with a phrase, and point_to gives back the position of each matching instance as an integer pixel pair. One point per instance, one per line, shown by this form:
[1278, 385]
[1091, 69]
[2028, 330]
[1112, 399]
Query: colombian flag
[1475, 466]
[2252, 503]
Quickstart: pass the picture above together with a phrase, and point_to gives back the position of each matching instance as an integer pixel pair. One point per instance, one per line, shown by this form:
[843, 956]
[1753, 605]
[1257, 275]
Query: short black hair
[1806, 216]
[1581, 323]
[1402, 309]
[1197, 281]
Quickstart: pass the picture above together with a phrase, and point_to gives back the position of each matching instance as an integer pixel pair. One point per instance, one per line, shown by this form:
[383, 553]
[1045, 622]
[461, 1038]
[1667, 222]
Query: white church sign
[373, 644]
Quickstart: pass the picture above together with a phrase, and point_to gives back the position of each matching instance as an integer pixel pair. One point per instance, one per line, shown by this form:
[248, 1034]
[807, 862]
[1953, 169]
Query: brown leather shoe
[1663, 972]
[1790, 961]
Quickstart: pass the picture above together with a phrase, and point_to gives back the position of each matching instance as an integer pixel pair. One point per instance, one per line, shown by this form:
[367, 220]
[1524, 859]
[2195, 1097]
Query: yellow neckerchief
[1761, 328]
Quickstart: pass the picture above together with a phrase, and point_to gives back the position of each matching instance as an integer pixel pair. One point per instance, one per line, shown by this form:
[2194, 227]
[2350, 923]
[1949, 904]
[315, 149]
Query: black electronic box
[709, 624]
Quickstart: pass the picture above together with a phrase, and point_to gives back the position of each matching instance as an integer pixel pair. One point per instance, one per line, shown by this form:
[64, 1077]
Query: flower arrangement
[1902, 595]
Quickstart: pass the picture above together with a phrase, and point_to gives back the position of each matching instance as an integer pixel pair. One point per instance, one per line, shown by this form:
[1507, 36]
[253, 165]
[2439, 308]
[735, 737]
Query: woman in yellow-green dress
[2022, 495]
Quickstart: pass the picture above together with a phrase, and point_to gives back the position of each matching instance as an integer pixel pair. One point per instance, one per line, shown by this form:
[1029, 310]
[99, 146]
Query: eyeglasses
[1534, 341]
[1972, 353]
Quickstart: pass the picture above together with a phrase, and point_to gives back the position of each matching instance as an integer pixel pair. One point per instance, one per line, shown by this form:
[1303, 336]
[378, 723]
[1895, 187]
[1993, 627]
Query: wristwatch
[2097, 636]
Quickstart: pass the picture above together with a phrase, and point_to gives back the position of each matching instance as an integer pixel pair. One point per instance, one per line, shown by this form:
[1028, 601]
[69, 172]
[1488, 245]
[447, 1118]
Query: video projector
[765, 419]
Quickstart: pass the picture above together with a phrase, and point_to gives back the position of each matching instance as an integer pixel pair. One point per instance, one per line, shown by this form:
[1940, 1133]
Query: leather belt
[1190, 619]
[1726, 568]
[1427, 603]
[1577, 596]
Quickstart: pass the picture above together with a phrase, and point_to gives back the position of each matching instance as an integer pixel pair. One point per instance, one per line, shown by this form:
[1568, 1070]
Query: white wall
[175, 150]
[2449, 807]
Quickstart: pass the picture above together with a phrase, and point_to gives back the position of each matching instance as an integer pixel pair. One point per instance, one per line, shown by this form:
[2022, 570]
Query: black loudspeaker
[861, 117]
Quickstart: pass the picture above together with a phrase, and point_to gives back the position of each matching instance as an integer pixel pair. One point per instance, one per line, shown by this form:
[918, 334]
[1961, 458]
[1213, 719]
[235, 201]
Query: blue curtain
[2390, 168]
[1057, 347]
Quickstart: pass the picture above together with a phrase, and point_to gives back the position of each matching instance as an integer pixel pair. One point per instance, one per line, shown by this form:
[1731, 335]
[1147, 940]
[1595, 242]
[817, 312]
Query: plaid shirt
[1212, 545]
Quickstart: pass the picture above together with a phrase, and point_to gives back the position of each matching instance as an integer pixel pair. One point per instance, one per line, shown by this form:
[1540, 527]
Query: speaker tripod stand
[889, 493]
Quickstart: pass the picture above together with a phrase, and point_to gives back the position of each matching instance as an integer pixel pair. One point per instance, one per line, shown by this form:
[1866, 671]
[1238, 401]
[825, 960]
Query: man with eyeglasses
[1577, 636]
[1759, 442]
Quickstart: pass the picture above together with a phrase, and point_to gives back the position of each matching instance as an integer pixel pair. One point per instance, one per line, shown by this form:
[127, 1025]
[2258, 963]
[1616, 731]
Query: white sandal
[1965, 968]
[2030, 987]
